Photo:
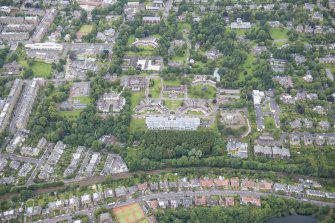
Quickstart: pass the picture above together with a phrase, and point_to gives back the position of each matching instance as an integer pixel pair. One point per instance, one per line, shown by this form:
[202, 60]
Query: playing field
[128, 214]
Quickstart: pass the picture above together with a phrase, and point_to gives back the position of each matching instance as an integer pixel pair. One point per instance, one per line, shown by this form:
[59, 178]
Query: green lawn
[83, 99]
[70, 114]
[269, 123]
[86, 28]
[136, 98]
[39, 69]
[172, 104]
[172, 83]
[131, 39]
[156, 87]
[202, 91]
[278, 33]
[137, 125]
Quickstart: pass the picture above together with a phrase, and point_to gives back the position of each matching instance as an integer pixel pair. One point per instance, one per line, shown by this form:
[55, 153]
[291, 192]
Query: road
[179, 195]
[39, 165]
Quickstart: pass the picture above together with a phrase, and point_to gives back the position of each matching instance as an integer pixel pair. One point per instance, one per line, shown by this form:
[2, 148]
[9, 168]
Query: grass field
[278, 33]
[70, 114]
[86, 28]
[128, 214]
[269, 123]
[172, 104]
[83, 99]
[172, 83]
[202, 91]
[156, 87]
[137, 125]
[136, 98]
[39, 69]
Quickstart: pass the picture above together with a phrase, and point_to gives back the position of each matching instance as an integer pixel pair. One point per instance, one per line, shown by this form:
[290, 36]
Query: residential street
[179, 195]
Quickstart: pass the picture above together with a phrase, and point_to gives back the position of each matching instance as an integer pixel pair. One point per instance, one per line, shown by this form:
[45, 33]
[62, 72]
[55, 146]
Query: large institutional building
[171, 123]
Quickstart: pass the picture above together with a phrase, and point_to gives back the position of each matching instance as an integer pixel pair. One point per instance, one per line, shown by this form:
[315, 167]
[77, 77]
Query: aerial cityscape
[147, 111]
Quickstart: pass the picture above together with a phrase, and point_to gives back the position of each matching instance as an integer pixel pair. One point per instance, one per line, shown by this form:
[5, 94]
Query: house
[109, 193]
[221, 183]
[295, 188]
[206, 183]
[153, 204]
[200, 200]
[237, 149]
[250, 200]
[239, 24]
[183, 183]
[315, 193]
[262, 151]
[264, 186]
[320, 139]
[151, 20]
[154, 187]
[317, 16]
[164, 185]
[111, 102]
[105, 218]
[86, 199]
[212, 201]
[73, 203]
[163, 203]
[319, 109]
[142, 187]
[174, 203]
[135, 83]
[234, 183]
[187, 202]
[195, 183]
[284, 81]
[97, 197]
[330, 59]
[247, 184]
[173, 185]
[120, 191]
[308, 139]
[329, 74]
[33, 211]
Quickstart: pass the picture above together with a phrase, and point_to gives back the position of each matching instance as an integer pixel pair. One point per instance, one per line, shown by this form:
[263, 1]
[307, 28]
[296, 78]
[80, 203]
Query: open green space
[83, 99]
[173, 104]
[269, 122]
[155, 88]
[70, 114]
[40, 69]
[202, 91]
[86, 28]
[278, 33]
[137, 125]
[172, 83]
[136, 97]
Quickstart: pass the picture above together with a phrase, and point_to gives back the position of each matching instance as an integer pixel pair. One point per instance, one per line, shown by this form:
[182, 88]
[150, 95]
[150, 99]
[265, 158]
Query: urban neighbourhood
[125, 111]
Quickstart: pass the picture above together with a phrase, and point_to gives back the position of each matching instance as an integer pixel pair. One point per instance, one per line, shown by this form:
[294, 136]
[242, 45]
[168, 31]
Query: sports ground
[128, 214]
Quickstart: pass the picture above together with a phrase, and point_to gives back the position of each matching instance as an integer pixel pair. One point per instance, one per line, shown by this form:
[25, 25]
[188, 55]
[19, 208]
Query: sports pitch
[128, 214]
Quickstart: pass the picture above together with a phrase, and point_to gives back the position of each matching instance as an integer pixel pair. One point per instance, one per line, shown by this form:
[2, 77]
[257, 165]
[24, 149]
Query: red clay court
[128, 214]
